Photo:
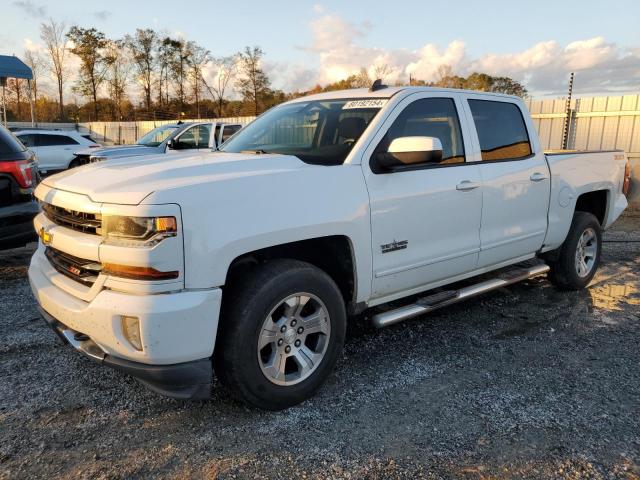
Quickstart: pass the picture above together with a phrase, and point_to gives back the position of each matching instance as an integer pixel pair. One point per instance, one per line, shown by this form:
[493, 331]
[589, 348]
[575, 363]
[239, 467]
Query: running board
[442, 299]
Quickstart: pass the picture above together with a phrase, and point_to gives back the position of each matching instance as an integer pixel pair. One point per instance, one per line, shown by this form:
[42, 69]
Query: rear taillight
[21, 170]
[627, 178]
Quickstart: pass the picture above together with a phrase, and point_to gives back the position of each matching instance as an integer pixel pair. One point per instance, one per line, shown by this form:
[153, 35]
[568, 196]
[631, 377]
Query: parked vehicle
[250, 259]
[170, 138]
[55, 148]
[18, 177]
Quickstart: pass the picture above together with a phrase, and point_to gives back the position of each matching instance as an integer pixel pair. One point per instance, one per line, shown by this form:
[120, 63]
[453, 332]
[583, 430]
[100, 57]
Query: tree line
[167, 75]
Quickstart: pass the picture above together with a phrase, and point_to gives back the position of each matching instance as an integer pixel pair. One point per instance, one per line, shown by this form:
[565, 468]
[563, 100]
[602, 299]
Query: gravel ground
[527, 382]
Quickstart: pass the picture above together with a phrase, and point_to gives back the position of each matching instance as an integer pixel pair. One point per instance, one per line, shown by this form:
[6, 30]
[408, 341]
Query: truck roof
[388, 92]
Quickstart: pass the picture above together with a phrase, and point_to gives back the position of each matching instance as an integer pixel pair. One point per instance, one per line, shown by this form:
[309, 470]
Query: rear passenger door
[54, 151]
[425, 222]
[515, 178]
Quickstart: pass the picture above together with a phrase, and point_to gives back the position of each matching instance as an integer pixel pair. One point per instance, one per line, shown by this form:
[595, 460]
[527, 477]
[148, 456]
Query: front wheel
[282, 330]
[579, 254]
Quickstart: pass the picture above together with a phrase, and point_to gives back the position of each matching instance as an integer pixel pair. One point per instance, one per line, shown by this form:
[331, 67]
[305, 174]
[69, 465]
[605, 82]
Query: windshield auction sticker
[366, 103]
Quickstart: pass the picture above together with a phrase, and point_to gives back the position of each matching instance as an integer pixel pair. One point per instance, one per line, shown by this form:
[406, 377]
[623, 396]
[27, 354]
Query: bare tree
[142, 46]
[362, 79]
[176, 54]
[118, 74]
[37, 64]
[198, 59]
[254, 83]
[227, 68]
[16, 89]
[53, 35]
[381, 71]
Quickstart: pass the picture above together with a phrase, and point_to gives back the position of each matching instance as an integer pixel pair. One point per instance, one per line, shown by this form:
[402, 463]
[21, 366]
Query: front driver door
[425, 222]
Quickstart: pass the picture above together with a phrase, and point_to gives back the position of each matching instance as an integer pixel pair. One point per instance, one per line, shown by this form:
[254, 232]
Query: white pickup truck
[249, 261]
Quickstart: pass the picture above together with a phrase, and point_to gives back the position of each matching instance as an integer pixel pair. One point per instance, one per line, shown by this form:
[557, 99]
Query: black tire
[74, 163]
[564, 272]
[246, 304]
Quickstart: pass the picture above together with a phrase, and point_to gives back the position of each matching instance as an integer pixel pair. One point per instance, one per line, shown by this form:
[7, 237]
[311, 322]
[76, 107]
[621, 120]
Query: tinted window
[9, 143]
[28, 141]
[54, 140]
[501, 130]
[429, 117]
[195, 137]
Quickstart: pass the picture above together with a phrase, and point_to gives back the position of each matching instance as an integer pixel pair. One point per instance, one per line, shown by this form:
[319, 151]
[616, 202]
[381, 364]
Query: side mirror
[170, 143]
[406, 152]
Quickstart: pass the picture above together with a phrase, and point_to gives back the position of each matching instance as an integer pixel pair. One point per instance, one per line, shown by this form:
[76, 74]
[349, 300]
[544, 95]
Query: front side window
[43, 140]
[501, 130]
[429, 117]
[195, 137]
[320, 132]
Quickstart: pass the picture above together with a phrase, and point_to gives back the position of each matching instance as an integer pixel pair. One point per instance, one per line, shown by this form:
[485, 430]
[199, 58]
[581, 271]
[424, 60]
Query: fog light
[131, 331]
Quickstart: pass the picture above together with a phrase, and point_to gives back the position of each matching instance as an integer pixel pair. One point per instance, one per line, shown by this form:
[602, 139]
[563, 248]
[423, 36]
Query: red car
[18, 178]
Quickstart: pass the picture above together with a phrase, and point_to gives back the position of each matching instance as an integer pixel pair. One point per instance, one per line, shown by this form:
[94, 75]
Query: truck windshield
[320, 132]
[156, 136]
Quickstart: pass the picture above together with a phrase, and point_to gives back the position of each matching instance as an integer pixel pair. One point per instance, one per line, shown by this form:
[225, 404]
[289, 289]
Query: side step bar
[442, 299]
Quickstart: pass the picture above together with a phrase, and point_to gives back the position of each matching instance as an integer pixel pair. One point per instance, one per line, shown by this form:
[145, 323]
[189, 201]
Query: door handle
[467, 185]
[538, 177]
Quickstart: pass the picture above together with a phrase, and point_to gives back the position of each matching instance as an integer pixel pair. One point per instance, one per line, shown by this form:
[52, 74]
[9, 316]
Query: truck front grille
[78, 269]
[79, 221]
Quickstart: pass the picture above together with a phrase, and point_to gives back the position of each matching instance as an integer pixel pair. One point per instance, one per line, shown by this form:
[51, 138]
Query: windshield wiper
[257, 151]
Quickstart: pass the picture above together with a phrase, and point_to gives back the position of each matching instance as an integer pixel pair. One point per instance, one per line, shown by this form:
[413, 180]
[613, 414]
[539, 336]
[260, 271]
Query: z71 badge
[395, 245]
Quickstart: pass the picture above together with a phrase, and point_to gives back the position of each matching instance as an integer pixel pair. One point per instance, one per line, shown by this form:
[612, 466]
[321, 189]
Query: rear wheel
[579, 255]
[282, 330]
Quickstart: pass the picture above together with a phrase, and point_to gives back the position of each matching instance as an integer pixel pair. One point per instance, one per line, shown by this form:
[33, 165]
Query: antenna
[567, 112]
[377, 85]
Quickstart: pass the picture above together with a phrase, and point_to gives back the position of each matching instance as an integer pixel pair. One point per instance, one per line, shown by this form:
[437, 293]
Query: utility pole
[567, 115]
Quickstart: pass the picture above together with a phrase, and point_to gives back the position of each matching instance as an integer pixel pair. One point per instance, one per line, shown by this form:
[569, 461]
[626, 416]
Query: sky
[306, 42]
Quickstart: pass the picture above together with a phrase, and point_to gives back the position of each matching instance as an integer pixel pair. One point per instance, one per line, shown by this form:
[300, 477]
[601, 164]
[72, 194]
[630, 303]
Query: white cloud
[340, 49]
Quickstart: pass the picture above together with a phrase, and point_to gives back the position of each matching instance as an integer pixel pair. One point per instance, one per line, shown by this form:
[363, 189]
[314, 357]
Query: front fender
[225, 219]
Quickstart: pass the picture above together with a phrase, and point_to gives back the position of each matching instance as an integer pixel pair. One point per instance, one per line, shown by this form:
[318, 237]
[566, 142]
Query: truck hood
[128, 181]
[118, 151]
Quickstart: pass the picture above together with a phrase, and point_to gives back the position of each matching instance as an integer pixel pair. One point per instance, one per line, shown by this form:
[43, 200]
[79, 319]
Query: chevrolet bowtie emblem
[45, 236]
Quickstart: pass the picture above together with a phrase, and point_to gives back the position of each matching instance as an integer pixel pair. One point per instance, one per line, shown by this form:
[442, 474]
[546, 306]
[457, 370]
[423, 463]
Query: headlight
[138, 231]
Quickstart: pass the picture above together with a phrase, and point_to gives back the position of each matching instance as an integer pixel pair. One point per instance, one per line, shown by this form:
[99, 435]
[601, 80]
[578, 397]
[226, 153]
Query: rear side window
[228, 131]
[430, 117]
[501, 130]
[28, 140]
[9, 143]
[54, 140]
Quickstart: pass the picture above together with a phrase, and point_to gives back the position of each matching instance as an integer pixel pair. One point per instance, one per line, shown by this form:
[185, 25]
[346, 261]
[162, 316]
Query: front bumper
[188, 381]
[177, 329]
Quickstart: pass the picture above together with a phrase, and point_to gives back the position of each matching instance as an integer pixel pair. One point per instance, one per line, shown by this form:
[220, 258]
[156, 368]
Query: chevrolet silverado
[248, 262]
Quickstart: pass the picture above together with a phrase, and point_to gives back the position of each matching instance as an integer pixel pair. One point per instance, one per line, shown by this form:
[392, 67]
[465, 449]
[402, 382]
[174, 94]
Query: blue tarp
[13, 67]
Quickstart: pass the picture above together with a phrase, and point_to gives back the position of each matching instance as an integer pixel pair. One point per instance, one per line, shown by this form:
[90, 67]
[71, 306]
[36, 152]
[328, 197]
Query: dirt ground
[526, 382]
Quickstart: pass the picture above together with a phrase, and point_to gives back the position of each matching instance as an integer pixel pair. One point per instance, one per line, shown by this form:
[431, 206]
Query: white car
[55, 149]
[250, 260]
